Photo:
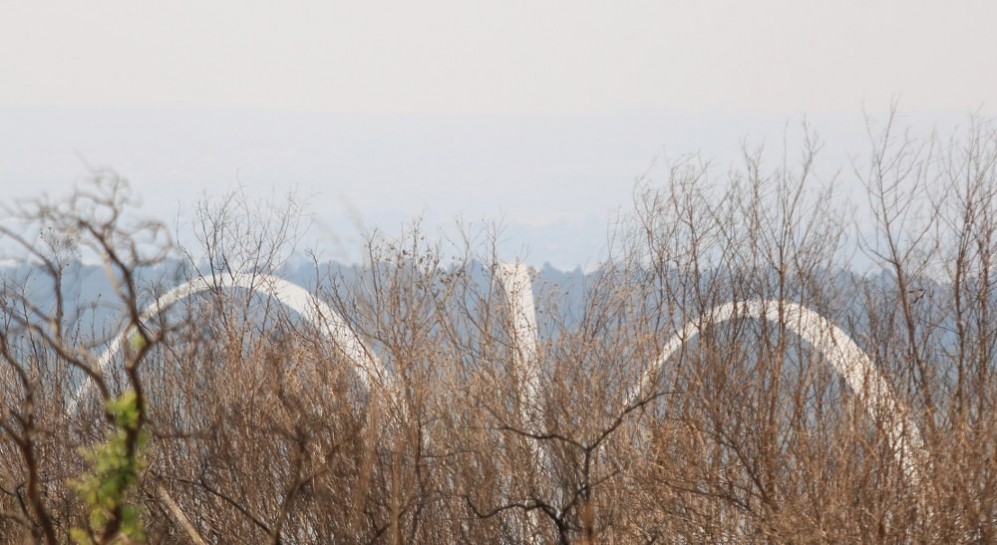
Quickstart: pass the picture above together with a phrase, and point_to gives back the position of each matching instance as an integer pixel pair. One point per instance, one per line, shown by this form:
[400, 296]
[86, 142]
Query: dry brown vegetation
[259, 430]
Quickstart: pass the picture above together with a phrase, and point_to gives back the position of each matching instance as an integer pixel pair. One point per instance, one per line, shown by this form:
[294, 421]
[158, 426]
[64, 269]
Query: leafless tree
[261, 428]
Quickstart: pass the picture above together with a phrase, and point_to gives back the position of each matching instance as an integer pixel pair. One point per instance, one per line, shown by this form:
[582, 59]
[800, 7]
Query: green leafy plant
[136, 341]
[116, 465]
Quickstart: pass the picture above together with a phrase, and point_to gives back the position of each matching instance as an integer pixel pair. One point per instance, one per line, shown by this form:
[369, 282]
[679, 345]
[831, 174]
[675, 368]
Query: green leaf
[114, 471]
[136, 341]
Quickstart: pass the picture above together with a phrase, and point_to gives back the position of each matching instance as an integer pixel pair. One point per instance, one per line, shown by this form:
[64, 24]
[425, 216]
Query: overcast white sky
[566, 101]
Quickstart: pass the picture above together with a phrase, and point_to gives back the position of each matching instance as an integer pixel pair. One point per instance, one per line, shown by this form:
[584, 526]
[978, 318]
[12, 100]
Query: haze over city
[538, 116]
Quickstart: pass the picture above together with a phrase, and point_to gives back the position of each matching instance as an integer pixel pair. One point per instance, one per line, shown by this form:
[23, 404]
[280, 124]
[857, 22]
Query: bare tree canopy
[726, 376]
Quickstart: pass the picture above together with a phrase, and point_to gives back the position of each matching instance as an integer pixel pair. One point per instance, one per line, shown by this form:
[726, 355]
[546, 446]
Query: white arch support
[515, 281]
[292, 296]
[518, 287]
[841, 352]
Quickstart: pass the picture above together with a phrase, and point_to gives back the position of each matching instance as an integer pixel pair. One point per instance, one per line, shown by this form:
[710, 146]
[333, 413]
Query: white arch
[844, 356]
[841, 352]
[515, 281]
[518, 288]
[292, 296]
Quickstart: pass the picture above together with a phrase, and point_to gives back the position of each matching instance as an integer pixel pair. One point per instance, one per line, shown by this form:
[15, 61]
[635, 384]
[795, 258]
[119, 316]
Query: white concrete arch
[844, 356]
[518, 288]
[841, 352]
[292, 296]
[514, 279]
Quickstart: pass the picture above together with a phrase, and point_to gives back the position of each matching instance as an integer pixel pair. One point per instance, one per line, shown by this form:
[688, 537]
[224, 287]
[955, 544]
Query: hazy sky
[501, 57]
[384, 110]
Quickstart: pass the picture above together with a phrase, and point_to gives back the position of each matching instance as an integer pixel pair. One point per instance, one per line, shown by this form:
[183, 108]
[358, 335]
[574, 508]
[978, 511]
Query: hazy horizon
[537, 115]
[555, 182]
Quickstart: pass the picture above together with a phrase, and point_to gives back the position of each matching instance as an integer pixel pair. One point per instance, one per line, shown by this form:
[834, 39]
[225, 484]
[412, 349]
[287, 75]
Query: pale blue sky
[537, 113]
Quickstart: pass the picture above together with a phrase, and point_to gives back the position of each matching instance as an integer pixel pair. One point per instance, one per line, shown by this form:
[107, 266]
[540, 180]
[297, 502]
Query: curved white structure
[841, 352]
[319, 314]
[518, 287]
[844, 356]
[515, 281]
